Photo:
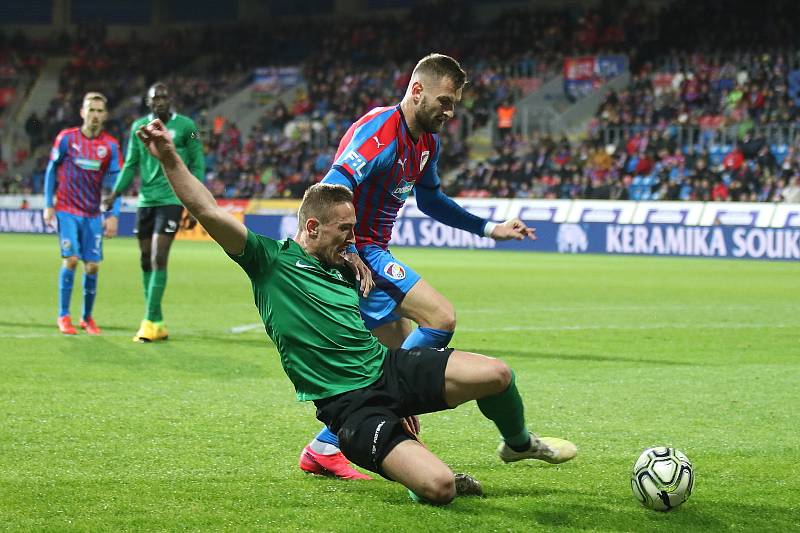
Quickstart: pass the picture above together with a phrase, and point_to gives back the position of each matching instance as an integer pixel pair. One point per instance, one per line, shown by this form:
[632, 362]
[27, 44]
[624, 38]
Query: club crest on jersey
[394, 271]
[403, 190]
[172, 133]
[424, 159]
[102, 151]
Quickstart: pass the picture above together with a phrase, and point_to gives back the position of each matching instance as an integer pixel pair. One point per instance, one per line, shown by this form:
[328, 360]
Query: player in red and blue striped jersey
[383, 157]
[82, 160]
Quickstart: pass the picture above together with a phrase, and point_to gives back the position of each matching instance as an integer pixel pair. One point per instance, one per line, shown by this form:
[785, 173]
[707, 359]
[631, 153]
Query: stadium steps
[549, 111]
[44, 89]
[245, 107]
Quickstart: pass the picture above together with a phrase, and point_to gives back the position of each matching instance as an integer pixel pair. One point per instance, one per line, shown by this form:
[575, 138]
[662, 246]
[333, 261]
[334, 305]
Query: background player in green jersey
[159, 211]
[309, 303]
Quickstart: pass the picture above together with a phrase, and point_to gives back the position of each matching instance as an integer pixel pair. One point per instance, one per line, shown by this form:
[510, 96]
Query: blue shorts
[393, 280]
[81, 237]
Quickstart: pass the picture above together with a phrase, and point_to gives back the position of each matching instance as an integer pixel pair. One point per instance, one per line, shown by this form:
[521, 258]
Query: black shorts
[368, 421]
[161, 220]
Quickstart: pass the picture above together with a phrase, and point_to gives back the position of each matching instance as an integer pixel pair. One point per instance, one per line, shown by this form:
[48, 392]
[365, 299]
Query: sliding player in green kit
[159, 212]
[308, 299]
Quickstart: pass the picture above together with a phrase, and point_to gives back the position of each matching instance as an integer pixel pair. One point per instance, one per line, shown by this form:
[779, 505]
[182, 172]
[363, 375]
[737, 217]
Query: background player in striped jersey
[385, 155]
[81, 160]
[159, 212]
[309, 303]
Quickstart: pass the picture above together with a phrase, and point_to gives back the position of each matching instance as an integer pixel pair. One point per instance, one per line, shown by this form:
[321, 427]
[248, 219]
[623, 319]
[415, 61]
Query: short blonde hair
[441, 66]
[94, 95]
[319, 201]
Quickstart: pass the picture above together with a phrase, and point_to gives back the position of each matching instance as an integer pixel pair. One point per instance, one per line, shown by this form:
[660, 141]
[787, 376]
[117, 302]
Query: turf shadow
[582, 357]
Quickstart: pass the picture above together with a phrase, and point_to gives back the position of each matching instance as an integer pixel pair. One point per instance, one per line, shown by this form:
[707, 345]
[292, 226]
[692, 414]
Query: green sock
[146, 275]
[416, 498]
[508, 414]
[158, 283]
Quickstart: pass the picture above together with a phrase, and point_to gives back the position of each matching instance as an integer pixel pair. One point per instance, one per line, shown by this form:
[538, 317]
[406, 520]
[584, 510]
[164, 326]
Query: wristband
[489, 228]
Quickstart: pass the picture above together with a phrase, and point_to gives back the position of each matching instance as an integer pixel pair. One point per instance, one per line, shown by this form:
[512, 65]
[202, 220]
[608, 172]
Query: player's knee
[71, 262]
[146, 262]
[439, 489]
[91, 268]
[499, 375]
[445, 318]
[159, 262]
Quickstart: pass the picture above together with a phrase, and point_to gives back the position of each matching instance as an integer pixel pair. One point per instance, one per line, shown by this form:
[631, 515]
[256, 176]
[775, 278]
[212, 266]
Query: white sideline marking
[245, 327]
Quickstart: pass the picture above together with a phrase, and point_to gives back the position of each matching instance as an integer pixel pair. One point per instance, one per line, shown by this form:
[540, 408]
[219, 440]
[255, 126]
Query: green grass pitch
[202, 432]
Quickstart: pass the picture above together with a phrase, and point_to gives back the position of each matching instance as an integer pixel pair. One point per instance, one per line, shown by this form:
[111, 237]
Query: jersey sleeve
[371, 149]
[437, 205]
[112, 172]
[196, 158]
[430, 179]
[56, 156]
[258, 256]
[131, 162]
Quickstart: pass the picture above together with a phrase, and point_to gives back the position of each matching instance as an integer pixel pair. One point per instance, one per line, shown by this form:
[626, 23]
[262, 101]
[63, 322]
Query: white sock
[323, 448]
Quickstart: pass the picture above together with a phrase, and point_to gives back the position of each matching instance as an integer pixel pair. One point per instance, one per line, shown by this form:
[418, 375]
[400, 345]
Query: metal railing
[784, 133]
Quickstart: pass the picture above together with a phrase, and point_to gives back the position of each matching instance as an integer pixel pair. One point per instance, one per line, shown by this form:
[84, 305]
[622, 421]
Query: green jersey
[155, 190]
[310, 312]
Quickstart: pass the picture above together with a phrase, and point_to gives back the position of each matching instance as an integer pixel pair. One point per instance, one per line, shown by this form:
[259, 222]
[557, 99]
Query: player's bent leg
[394, 333]
[421, 472]
[471, 376]
[433, 312]
[427, 307]
[492, 383]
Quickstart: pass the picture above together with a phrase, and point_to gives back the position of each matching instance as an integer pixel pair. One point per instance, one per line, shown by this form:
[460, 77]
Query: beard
[428, 119]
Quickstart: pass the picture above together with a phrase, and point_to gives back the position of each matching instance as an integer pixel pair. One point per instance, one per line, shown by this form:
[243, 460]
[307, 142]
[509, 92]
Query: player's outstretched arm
[223, 228]
[513, 228]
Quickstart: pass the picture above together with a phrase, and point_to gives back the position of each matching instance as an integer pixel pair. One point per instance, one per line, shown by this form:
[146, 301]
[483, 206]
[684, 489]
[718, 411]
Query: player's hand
[108, 203]
[361, 271]
[513, 229]
[189, 222]
[157, 140]
[49, 216]
[411, 425]
[110, 225]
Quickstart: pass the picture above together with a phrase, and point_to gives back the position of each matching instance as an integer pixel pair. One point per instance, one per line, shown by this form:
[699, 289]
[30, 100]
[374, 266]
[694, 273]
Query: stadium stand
[695, 123]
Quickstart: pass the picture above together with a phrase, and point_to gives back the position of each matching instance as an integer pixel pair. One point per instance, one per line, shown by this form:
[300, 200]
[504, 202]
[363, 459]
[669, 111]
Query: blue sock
[66, 278]
[427, 338]
[89, 291]
[327, 436]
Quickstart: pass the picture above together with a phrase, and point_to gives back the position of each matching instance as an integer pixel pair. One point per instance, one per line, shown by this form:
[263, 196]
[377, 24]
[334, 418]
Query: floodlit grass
[202, 432]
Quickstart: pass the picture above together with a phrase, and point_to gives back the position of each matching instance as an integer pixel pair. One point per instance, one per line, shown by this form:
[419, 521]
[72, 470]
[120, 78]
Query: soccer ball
[662, 478]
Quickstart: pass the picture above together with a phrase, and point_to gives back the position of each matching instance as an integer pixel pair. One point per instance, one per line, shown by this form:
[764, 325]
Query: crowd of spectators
[658, 139]
[646, 167]
[354, 68]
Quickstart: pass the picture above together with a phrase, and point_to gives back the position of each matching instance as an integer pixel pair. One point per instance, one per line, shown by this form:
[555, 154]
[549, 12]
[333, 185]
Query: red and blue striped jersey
[81, 165]
[382, 164]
